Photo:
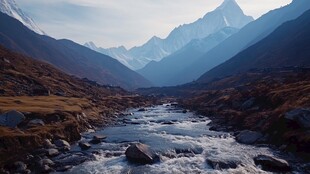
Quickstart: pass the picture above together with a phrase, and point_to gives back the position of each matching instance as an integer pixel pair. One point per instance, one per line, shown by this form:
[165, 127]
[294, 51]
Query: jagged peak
[155, 38]
[228, 4]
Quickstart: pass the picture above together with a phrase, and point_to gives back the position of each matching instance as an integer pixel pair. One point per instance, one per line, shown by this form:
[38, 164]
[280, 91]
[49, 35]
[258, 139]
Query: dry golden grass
[43, 104]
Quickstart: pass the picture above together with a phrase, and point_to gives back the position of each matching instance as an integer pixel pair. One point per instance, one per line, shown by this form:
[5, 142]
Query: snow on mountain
[10, 8]
[165, 72]
[228, 14]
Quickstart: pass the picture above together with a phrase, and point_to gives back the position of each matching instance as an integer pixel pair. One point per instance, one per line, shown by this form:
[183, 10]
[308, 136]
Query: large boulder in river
[272, 164]
[141, 153]
[11, 119]
[300, 116]
[248, 137]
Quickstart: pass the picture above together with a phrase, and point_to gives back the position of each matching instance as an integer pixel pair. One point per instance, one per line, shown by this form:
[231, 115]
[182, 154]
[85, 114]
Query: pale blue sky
[126, 22]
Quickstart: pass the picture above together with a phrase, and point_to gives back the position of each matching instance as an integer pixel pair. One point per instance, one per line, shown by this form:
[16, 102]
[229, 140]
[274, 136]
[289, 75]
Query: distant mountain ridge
[68, 56]
[10, 8]
[163, 73]
[228, 14]
[246, 37]
[287, 46]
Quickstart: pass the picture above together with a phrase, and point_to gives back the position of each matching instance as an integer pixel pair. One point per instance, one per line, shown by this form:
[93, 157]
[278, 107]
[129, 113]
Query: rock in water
[272, 164]
[71, 159]
[142, 110]
[84, 146]
[11, 119]
[141, 153]
[248, 137]
[63, 168]
[218, 165]
[98, 139]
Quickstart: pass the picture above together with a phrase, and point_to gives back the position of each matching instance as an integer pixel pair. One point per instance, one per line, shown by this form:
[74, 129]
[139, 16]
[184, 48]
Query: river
[183, 141]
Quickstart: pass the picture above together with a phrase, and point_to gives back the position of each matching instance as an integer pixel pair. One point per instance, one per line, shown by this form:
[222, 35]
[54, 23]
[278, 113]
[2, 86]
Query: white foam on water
[183, 134]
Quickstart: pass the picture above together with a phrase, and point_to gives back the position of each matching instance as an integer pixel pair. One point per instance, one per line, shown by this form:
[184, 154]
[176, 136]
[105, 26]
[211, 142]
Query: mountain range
[10, 8]
[277, 50]
[246, 37]
[164, 72]
[228, 14]
[68, 56]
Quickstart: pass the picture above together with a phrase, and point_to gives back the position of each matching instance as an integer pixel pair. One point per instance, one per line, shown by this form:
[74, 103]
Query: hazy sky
[130, 23]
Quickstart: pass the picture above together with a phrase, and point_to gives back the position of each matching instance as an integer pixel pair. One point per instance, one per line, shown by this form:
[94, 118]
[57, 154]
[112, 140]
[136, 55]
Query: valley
[226, 93]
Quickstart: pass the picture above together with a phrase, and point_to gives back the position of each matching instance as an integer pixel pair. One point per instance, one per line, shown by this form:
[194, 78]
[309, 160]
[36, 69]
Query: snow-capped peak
[228, 14]
[228, 4]
[10, 8]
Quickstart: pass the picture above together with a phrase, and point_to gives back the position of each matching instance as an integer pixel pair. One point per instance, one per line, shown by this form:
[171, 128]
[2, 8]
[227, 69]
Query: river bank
[274, 106]
[53, 118]
[182, 141]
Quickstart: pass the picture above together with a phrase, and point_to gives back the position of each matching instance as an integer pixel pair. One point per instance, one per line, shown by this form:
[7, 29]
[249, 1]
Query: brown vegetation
[66, 104]
[258, 101]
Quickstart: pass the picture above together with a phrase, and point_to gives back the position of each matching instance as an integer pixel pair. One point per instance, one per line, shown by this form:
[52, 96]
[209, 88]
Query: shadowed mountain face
[163, 73]
[67, 56]
[24, 76]
[288, 45]
[228, 14]
[247, 36]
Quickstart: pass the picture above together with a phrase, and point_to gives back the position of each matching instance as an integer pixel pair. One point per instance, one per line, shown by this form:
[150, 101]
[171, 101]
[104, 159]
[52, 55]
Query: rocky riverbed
[167, 139]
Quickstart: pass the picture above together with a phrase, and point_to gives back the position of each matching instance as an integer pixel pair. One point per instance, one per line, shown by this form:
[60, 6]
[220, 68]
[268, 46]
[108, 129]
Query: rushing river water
[173, 135]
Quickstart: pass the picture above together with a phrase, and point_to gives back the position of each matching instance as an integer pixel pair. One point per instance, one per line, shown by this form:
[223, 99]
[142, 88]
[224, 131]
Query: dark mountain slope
[246, 37]
[68, 56]
[24, 76]
[289, 45]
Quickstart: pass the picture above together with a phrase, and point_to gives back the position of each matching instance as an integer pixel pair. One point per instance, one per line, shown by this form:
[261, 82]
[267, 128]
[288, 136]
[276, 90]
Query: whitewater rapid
[183, 141]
